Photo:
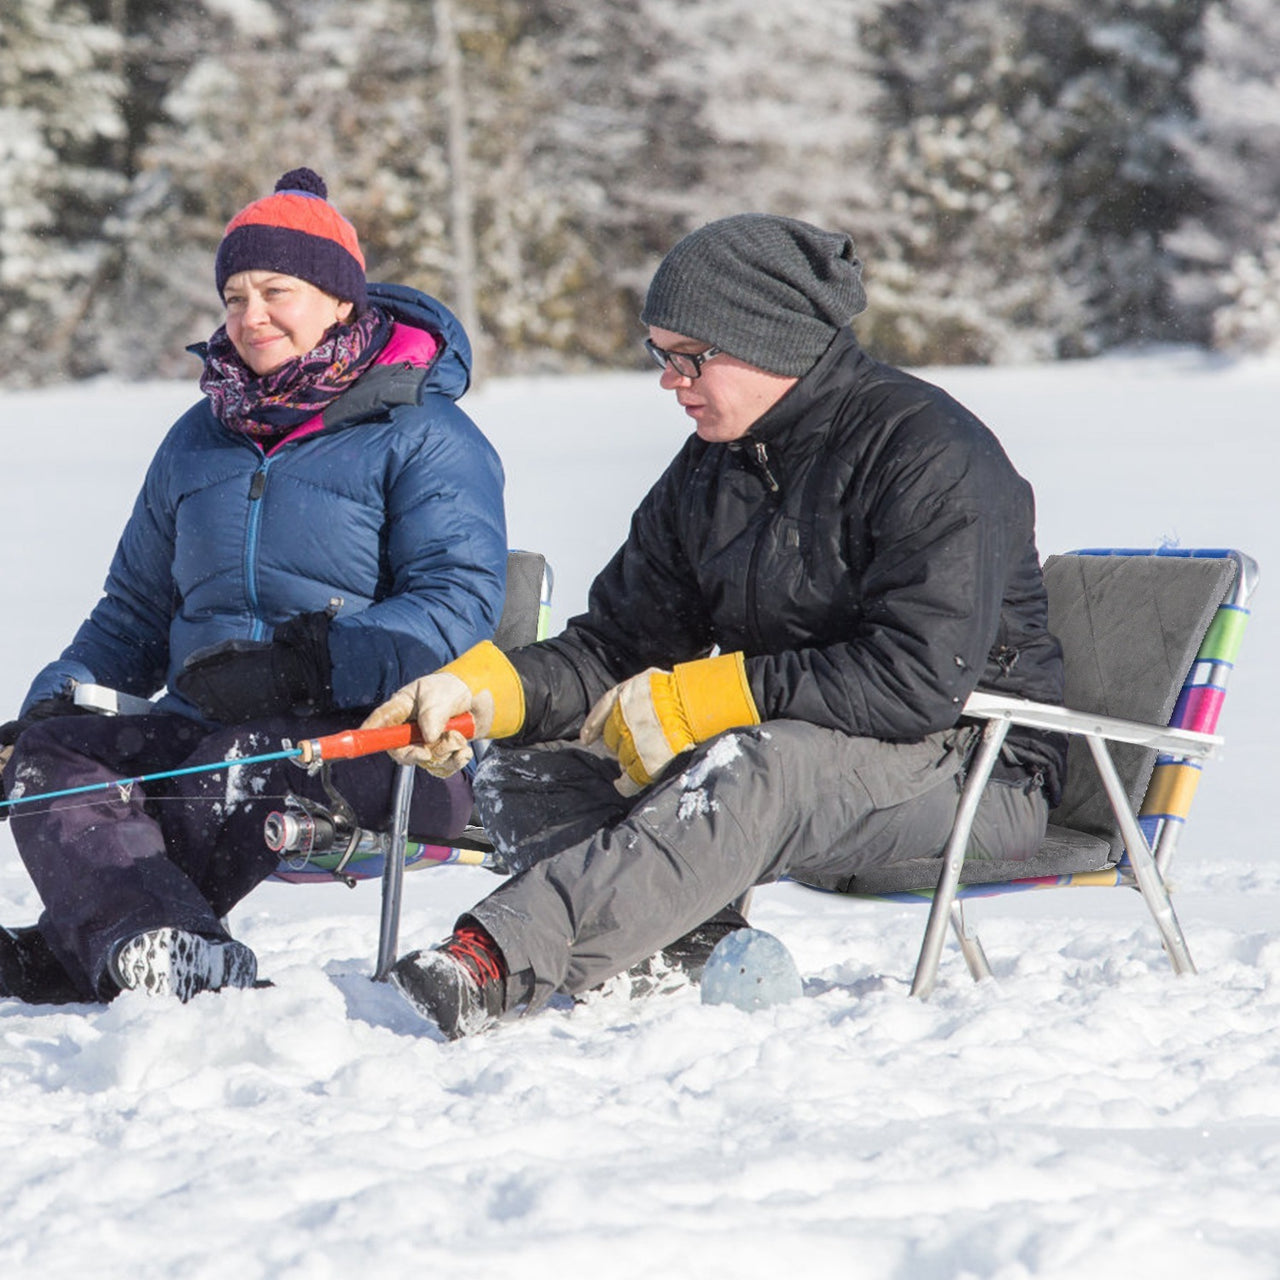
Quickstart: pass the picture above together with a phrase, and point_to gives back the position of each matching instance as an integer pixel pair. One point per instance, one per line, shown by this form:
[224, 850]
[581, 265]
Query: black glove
[12, 730]
[241, 680]
[61, 704]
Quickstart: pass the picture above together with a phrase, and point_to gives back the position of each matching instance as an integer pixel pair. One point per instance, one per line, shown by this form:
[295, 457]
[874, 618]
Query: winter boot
[460, 985]
[172, 962]
[29, 971]
[679, 964]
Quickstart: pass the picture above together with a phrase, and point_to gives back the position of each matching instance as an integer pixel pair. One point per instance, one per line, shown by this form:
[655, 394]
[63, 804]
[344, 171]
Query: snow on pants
[604, 881]
[178, 852]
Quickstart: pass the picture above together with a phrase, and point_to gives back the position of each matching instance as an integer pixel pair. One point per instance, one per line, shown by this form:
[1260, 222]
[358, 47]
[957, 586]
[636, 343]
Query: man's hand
[651, 718]
[430, 702]
[482, 682]
[242, 680]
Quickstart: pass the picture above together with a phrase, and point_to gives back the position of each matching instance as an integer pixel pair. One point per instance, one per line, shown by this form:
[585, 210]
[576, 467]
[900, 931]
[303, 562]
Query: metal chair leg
[970, 946]
[1150, 882]
[393, 874]
[944, 896]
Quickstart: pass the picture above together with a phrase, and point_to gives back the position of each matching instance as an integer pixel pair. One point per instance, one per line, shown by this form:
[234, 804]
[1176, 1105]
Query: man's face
[727, 397]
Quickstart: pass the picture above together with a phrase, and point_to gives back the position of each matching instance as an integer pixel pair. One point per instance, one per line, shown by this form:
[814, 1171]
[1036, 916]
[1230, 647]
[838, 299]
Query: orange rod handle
[366, 742]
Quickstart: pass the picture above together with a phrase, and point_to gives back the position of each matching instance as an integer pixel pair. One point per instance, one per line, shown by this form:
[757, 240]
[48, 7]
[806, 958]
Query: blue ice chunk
[750, 969]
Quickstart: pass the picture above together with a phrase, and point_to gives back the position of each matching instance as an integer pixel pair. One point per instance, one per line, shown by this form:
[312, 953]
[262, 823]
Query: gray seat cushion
[1063, 852]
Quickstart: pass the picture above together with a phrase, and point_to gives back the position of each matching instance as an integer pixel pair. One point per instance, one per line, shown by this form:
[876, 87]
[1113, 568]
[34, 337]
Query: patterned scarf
[271, 406]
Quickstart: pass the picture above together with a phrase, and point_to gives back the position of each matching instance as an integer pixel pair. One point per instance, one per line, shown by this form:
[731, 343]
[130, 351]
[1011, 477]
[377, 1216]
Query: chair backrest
[1131, 625]
[526, 610]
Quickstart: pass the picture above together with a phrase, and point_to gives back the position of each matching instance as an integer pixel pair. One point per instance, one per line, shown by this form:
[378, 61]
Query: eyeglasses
[685, 363]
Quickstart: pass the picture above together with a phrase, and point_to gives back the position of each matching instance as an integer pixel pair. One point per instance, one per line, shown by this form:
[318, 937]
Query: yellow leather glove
[650, 719]
[482, 682]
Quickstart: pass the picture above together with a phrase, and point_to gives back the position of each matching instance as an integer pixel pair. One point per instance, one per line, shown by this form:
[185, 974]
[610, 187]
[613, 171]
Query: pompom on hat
[772, 291]
[296, 232]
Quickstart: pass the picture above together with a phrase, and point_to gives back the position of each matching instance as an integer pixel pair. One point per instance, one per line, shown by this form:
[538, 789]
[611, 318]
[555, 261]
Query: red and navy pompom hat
[299, 233]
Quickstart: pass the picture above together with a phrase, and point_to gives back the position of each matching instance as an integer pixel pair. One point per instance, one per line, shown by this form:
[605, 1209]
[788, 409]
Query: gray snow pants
[604, 881]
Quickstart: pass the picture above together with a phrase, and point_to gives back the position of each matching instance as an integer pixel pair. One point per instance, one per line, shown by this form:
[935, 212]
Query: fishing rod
[312, 753]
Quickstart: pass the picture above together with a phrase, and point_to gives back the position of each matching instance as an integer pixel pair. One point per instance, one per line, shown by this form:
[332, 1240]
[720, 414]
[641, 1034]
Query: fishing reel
[325, 836]
[310, 835]
[304, 827]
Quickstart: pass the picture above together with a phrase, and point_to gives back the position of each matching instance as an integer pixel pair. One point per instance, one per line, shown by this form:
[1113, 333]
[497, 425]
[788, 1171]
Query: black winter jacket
[867, 545]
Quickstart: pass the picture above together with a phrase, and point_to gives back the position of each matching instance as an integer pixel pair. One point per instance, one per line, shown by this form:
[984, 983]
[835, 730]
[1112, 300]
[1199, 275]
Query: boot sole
[172, 962]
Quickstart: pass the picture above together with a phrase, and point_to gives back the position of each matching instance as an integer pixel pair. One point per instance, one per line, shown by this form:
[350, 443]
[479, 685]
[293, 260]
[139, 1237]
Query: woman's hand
[241, 680]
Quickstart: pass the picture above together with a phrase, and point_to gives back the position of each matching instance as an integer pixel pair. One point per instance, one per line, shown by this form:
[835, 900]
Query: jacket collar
[390, 381]
[805, 412]
[395, 381]
[450, 372]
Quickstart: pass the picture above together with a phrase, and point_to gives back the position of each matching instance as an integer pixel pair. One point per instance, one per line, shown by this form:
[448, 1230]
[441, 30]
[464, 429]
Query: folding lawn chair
[366, 855]
[1149, 640]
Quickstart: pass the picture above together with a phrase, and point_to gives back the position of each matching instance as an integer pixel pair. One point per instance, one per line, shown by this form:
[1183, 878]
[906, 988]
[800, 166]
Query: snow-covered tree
[1029, 152]
[1231, 244]
[1109, 139]
[964, 258]
[546, 299]
[260, 87]
[787, 104]
[1012, 170]
[60, 117]
[658, 116]
[607, 161]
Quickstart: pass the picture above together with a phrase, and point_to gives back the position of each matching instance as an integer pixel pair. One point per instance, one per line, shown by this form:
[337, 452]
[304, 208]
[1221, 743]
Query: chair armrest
[110, 702]
[1044, 715]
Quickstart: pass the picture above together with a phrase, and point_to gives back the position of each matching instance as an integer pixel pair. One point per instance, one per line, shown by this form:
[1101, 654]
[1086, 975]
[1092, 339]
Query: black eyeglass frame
[686, 363]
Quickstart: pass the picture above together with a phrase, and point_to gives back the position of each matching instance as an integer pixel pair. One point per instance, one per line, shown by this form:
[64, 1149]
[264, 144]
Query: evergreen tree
[547, 299]
[658, 116]
[1030, 151]
[260, 88]
[1110, 143]
[612, 161]
[60, 118]
[790, 105]
[963, 259]
[1231, 245]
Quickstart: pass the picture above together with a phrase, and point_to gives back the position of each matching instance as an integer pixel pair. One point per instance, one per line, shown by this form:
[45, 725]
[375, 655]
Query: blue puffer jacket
[391, 513]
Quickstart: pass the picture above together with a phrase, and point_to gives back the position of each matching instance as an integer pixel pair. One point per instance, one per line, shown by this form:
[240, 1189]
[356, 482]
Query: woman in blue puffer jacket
[325, 525]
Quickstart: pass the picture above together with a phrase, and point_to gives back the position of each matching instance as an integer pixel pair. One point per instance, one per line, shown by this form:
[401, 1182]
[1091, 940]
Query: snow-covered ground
[1085, 1115]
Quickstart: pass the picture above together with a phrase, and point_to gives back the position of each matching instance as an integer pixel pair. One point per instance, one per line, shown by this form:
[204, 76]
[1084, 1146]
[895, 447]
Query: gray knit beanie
[771, 291]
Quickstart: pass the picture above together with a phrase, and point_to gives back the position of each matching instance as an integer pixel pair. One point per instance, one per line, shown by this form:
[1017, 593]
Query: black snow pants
[178, 852]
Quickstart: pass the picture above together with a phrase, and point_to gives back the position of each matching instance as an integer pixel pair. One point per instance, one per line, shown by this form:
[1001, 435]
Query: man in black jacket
[770, 674]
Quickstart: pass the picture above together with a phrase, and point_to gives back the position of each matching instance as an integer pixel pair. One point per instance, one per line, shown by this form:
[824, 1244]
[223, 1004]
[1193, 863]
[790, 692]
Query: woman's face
[272, 317]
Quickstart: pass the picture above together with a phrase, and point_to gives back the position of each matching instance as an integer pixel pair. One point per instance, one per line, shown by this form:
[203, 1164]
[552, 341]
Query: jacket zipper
[762, 461]
[761, 451]
[256, 487]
